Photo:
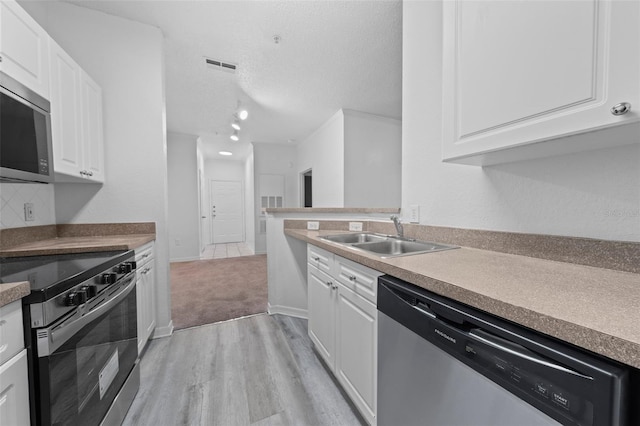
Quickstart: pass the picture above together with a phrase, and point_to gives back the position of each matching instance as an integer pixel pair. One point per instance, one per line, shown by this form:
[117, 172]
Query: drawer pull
[352, 277]
[316, 258]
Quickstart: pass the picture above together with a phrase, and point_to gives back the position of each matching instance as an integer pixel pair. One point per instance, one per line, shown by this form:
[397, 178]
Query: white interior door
[227, 222]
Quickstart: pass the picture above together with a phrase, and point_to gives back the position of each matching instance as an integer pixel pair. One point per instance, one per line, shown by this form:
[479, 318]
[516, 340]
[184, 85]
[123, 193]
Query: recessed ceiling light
[234, 137]
[243, 114]
[225, 153]
[235, 124]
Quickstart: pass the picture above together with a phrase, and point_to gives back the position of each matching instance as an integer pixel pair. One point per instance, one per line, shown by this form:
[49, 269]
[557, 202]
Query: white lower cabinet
[14, 387]
[343, 324]
[357, 350]
[322, 318]
[145, 293]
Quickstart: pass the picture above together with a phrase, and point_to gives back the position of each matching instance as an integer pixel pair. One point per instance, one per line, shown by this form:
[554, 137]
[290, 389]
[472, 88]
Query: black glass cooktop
[52, 275]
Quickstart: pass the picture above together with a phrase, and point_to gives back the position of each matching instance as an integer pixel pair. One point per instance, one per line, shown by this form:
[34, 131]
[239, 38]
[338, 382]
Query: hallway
[223, 251]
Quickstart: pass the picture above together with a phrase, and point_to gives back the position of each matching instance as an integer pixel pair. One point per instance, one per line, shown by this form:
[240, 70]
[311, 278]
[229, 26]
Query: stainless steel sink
[386, 245]
[354, 238]
[393, 247]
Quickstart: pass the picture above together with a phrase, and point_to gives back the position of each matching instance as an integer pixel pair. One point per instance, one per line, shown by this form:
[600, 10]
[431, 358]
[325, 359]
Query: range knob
[90, 290]
[109, 278]
[75, 298]
[124, 268]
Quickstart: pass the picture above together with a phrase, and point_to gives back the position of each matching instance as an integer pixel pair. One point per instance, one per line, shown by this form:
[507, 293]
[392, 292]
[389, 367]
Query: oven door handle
[63, 332]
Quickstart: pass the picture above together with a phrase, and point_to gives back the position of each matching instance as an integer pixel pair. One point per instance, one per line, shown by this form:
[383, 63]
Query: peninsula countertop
[593, 308]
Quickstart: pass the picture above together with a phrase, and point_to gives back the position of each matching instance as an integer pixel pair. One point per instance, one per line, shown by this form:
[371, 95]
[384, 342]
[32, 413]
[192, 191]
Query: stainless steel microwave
[25, 134]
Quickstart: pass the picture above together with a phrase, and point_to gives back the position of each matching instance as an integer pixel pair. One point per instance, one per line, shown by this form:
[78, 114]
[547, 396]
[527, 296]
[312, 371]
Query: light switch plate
[313, 226]
[414, 213]
[355, 226]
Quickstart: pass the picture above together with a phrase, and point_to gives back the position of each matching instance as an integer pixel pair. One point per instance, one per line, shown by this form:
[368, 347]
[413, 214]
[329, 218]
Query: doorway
[227, 213]
[307, 186]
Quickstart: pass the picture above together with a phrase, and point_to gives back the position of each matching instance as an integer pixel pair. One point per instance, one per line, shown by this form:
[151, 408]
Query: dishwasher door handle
[524, 354]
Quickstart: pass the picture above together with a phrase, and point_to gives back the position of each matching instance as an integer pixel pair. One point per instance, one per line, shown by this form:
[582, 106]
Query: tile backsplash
[12, 199]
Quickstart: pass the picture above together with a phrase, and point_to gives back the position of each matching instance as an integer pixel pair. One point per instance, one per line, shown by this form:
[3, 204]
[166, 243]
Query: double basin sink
[386, 245]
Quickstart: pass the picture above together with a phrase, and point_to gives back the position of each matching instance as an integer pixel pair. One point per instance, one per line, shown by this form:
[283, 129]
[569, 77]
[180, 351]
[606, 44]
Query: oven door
[84, 360]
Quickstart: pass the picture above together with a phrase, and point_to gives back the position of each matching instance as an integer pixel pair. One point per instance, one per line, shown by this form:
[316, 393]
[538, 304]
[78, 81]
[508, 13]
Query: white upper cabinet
[65, 112]
[76, 121]
[519, 73]
[92, 128]
[24, 48]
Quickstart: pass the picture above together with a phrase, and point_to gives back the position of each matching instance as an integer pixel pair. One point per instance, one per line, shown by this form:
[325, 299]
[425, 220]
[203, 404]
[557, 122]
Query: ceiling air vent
[220, 65]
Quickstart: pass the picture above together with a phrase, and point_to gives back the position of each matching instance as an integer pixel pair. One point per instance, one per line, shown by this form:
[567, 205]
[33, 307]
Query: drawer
[14, 391]
[320, 258]
[358, 278]
[11, 335]
[144, 254]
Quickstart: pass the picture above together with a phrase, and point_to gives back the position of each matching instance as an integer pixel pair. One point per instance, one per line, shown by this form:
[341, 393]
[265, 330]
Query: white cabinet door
[14, 391]
[149, 278]
[65, 113]
[92, 128]
[516, 73]
[145, 293]
[357, 350]
[321, 306]
[24, 48]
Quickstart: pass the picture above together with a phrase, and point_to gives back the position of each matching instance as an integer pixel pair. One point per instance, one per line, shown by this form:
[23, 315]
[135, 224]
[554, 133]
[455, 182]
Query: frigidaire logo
[444, 335]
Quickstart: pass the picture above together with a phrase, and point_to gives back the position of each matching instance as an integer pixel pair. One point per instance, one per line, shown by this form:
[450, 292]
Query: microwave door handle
[64, 332]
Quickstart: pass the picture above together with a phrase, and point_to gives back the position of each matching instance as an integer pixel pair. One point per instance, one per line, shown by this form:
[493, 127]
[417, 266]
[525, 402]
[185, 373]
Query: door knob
[621, 108]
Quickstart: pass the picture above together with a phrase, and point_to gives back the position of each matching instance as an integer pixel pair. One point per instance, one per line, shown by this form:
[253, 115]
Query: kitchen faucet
[396, 222]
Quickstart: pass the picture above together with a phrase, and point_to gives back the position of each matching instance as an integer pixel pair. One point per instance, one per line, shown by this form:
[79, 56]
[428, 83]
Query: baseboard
[286, 310]
[165, 331]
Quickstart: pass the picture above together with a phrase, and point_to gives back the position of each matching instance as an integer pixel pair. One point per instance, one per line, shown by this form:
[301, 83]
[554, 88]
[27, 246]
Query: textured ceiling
[331, 55]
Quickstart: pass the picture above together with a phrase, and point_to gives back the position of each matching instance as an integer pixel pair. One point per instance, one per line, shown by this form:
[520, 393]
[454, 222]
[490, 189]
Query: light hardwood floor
[259, 370]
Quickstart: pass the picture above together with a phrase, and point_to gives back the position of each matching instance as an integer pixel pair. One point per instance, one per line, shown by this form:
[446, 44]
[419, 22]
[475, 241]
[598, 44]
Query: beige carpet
[208, 291]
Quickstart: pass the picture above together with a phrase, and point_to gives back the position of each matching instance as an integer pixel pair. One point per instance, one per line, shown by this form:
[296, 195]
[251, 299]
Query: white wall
[184, 217]
[323, 151]
[126, 60]
[593, 194]
[372, 160]
[274, 159]
[12, 199]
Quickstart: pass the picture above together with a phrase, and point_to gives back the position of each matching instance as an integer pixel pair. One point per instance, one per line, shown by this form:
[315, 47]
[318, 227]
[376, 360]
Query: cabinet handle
[90, 173]
[621, 109]
[316, 259]
[83, 172]
[352, 277]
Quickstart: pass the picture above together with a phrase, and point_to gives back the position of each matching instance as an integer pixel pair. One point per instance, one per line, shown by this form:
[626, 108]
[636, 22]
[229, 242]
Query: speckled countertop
[593, 308]
[13, 291]
[83, 244]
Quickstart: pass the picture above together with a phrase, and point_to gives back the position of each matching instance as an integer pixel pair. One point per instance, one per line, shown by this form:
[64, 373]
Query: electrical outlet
[414, 213]
[313, 226]
[29, 212]
[355, 226]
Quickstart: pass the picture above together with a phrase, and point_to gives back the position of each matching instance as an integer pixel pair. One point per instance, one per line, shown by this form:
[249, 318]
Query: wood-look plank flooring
[259, 370]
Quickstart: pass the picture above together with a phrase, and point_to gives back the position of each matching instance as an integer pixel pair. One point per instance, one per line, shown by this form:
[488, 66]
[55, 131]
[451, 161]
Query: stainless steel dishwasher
[443, 363]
